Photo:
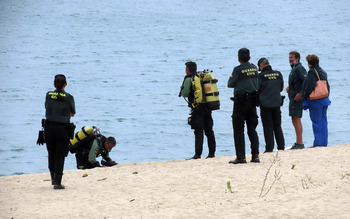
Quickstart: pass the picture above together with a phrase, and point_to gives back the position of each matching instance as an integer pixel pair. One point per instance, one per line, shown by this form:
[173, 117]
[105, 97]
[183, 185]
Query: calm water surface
[124, 62]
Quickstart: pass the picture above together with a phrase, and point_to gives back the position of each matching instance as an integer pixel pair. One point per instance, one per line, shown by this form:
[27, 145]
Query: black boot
[57, 182]
[194, 157]
[255, 158]
[210, 156]
[238, 161]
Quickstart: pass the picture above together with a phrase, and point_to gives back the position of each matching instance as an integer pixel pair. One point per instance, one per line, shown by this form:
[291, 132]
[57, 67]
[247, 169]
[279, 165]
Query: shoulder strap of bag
[317, 75]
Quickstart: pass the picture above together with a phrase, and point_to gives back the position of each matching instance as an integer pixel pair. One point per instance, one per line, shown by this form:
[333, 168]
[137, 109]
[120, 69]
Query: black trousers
[271, 120]
[244, 111]
[202, 121]
[57, 139]
[82, 158]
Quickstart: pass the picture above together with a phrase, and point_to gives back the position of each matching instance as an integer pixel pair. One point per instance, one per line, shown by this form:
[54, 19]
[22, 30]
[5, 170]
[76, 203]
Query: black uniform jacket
[271, 85]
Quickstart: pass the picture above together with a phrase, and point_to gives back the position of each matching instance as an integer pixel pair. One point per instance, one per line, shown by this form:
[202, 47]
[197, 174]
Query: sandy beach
[308, 183]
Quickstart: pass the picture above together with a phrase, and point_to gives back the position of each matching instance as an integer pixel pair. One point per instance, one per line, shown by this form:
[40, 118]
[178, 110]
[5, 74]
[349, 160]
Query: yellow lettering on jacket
[272, 76]
[249, 71]
[54, 95]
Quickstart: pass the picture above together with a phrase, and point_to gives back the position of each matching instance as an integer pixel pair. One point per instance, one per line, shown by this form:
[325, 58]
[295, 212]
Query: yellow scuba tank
[197, 86]
[205, 90]
[85, 131]
[82, 136]
[211, 91]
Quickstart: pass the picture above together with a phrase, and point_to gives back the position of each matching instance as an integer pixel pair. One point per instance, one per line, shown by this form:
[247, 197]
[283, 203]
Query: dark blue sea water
[124, 61]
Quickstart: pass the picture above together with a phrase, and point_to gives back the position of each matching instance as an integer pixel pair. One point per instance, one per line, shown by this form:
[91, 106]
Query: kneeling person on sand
[100, 145]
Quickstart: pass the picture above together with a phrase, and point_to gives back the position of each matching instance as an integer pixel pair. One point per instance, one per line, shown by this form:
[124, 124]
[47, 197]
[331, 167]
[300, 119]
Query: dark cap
[244, 54]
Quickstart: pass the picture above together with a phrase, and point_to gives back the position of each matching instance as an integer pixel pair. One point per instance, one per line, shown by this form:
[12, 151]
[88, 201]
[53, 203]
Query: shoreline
[307, 183]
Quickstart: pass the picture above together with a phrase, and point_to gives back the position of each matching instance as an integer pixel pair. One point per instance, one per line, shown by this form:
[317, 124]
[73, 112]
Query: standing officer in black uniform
[59, 108]
[271, 85]
[245, 81]
[201, 119]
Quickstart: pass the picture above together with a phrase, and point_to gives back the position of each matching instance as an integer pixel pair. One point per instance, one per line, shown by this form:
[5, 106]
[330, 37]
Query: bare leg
[298, 129]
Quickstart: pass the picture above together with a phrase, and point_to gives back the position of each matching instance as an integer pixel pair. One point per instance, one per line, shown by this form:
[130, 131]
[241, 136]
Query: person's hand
[297, 97]
[110, 163]
[306, 105]
[287, 90]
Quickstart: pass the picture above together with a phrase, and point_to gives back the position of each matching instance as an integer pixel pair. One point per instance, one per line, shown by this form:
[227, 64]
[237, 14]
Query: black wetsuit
[201, 121]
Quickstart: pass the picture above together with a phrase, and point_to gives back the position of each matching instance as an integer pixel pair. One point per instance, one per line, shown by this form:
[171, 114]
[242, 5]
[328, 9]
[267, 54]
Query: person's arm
[107, 157]
[107, 161]
[72, 106]
[309, 84]
[301, 74]
[261, 84]
[297, 97]
[93, 154]
[303, 91]
[232, 80]
[282, 82]
[186, 87]
[46, 101]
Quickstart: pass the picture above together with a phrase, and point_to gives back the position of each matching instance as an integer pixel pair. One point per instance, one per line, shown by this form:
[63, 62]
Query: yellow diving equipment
[211, 91]
[85, 131]
[197, 86]
[205, 90]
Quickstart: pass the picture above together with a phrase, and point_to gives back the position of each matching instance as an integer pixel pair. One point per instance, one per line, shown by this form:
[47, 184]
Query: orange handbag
[320, 90]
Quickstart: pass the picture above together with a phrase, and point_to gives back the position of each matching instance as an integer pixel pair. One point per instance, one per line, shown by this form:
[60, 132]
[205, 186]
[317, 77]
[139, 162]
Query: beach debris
[293, 166]
[306, 182]
[47, 180]
[276, 178]
[85, 175]
[228, 183]
[344, 176]
[132, 200]
[102, 179]
[135, 172]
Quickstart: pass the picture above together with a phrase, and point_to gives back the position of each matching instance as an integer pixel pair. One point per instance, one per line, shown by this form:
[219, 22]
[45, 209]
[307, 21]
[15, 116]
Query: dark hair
[244, 54]
[263, 61]
[60, 81]
[312, 59]
[296, 54]
[192, 66]
[111, 140]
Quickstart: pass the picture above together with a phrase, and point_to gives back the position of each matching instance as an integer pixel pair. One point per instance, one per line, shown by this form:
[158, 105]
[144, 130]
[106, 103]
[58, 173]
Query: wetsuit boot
[57, 182]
